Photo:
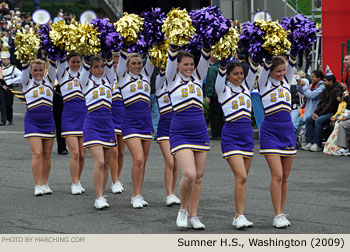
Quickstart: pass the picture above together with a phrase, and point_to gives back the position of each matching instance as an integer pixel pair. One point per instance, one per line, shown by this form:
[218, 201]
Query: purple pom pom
[251, 38]
[111, 40]
[303, 31]
[210, 24]
[194, 47]
[152, 26]
[139, 47]
[52, 52]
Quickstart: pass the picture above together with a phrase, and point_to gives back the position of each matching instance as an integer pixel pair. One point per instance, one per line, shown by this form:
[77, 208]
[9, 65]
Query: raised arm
[121, 68]
[291, 65]
[25, 77]
[148, 68]
[85, 73]
[221, 77]
[160, 80]
[203, 64]
[62, 64]
[109, 71]
[171, 66]
[253, 69]
[51, 74]
[265, 71]
[311, 94]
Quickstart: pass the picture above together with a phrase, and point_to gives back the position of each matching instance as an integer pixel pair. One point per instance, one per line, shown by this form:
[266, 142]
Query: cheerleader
[277, 137]
[73, 115]
[117, 157]
[189, 139]
[39, 126]
[96, 81]
[134, 83]
[166, 114]
[237, 141]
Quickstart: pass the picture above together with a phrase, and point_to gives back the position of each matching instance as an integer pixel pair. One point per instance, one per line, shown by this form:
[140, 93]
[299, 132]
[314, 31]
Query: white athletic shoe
[116, 188]
[315, 148]
[46, 189]
[136, 202]
[241, 222]
[307, 147]
[38, 191]
[285, 217]
[76, 189]
[341, 152]
[279, 221]
[195, 223]
[81, 187]
[172, 200]
[144, 203]
[181, 220]
[101, 203]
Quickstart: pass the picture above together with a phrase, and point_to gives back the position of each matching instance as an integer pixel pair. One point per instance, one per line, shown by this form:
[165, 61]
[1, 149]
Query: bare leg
[74, 149]
[98, 156]
[275, 165]
[169, 167]
[286, 166]
[37, 157]
[47, 149]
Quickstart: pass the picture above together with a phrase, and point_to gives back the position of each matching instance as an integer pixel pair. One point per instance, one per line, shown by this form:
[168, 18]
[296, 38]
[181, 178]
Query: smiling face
[37, 71]
[186, 66]
[278, 72]
[314, 78]
[135, 65]
[74, 63]
[347, 61]
[236, 76]
[97, 69]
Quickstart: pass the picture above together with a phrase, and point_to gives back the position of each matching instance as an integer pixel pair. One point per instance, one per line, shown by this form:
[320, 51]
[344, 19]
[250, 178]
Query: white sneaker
[285, 218]
[181, 220]
[280, 221]
[101, 203]
[76, 189]
[38, 191]
[136, 202]
[315, 148]
[341, 152]
[144, 203]
[172, 200]
[195, 223]
[81, 187]
[121, 185]
[241, 221]
[116, 188]
[307, 147]
[46, 189]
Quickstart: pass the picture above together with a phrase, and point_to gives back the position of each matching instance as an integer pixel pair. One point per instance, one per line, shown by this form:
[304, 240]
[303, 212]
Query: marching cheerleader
[134, 83]
[73, 115]
[39, 126]
[189, 139]
[277, 137]
[117, 157]
[96, 82]
[237, 141]
[166, 114]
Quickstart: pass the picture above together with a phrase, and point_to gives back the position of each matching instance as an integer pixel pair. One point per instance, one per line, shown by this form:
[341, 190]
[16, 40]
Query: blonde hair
[132, 55]
[115, 54]
[37, 61]
[301, 73]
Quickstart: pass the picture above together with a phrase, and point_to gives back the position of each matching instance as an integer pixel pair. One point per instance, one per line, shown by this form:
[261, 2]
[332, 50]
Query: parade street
[318, 197]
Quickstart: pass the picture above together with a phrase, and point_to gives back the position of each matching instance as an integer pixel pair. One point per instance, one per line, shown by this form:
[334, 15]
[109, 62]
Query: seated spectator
[346, 75]
[325, 109]
[343, 134]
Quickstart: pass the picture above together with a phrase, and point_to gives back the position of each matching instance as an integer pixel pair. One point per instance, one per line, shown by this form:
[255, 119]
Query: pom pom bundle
[276, 38]
[227, 45]
[59, 34]
[251, 38]
[129, 27]
[139, 47]
[53, 52]
[178, 28]
[110, 39]
[303, 31]
[27, 45]
[159, 54]
[210, 24]
[152, 26]
[194, 47]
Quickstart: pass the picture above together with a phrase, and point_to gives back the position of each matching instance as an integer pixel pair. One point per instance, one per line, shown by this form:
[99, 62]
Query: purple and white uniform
[237, 133]
[98, 126]
[277, 135]
[117, 108]
[165, 108]
[188, 129]
[38, 121]
[74, 107]
[136, 91]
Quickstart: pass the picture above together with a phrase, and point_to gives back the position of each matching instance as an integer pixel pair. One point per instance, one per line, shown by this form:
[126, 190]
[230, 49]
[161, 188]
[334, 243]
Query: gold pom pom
[276, 38]
[159, 54]
[129, 27]
[82, 39]
[27, 45]
[178, 28]
[59, 34]
[227, 45]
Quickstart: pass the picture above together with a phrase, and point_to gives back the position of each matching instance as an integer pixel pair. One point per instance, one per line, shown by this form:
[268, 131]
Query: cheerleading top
[235, 100]
[136, 91]
[188, 127]
[39, 97]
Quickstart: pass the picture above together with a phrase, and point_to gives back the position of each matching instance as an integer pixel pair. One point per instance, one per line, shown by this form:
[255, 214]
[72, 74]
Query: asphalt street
[318, 199]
